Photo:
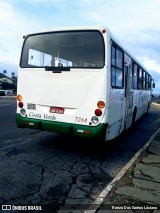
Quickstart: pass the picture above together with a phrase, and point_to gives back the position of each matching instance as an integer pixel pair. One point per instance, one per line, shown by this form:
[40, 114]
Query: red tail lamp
[20, 104]
[98, 112]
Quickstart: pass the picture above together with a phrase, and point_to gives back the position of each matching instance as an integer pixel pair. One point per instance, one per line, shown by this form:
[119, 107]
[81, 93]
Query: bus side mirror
[153, 85]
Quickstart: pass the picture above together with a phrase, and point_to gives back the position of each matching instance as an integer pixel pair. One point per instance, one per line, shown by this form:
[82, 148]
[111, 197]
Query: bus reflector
[101, 104]
[103, 31]
[26, 122]
[80, 130]
[83, 131]
[98, 112]
[19, 97]
[86, 132]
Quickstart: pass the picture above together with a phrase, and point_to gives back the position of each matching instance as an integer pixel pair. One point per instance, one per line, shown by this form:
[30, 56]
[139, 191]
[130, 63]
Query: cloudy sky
[136, 24]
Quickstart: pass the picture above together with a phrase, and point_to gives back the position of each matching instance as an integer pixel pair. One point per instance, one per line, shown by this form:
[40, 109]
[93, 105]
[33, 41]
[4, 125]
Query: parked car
[8, 92]
[2, 93]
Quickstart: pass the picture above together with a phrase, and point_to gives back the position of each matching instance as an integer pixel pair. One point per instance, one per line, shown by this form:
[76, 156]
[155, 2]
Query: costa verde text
[44, 116]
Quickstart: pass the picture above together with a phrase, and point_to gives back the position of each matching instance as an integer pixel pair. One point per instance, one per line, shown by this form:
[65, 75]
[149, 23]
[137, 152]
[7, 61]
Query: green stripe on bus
[54, 126]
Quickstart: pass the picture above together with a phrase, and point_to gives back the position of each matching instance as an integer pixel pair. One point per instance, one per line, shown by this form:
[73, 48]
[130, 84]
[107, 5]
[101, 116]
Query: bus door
[127, 90]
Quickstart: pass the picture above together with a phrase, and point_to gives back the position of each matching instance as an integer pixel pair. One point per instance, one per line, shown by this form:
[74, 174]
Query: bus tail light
[101, 104]
[98, 112]
[20, 104]
[86, 131]
[103, 31]
[19, 97]
[26, 123]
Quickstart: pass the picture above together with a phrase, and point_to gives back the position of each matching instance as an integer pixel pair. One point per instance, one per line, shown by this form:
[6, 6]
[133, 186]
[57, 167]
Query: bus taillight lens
[98, 112]
[20, 104]
[101, 104]
[19, 97]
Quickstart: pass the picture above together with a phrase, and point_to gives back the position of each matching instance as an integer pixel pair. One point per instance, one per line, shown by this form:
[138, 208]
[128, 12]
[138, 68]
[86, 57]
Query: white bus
[80, 81]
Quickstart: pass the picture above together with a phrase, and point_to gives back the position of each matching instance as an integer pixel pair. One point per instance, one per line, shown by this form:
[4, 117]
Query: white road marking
[4, 105]
[99, 200]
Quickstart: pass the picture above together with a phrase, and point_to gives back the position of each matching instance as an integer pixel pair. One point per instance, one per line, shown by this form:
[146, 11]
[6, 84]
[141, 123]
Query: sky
[135, 23]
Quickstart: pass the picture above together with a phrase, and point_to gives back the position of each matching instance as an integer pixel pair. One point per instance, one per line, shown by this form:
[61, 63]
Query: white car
[8, 92]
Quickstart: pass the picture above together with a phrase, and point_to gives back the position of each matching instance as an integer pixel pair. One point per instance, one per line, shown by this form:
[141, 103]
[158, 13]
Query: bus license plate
[58, 110]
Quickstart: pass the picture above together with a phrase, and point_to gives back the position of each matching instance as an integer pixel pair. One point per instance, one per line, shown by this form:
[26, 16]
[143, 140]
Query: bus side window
[113, 56]
[116, 68]
[113, 64]
[125, 76]
[149, 82]
[139, 78]
[134, 75]
[144, 79]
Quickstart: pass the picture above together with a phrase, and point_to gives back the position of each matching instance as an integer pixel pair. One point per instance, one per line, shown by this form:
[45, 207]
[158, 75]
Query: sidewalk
[139, 189]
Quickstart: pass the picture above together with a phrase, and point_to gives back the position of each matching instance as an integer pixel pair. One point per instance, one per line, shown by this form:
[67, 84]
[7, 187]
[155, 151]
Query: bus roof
[100, 28]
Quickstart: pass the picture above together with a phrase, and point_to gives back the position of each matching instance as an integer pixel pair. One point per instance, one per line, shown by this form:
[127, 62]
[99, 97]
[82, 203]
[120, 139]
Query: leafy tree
[12, 74]
[2, 75]
[4, 72]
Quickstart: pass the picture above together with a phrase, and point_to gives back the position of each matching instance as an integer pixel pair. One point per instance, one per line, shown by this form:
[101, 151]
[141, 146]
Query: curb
[99, 200]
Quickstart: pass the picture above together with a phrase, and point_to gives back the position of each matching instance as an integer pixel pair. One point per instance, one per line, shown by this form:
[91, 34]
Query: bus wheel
[134, 116]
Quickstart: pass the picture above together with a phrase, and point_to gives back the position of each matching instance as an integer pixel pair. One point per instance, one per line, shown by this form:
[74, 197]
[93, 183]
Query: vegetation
[8, 85]
[2, 75]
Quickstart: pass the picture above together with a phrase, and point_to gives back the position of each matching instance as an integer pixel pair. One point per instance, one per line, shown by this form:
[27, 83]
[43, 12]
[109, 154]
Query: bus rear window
[76, 49]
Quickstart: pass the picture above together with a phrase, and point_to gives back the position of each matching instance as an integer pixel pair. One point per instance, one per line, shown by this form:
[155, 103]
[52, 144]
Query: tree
[14, 78]
[12, 74]
[4, 72]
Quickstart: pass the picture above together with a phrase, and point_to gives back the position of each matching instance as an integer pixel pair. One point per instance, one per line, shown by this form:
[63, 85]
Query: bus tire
[134, 116]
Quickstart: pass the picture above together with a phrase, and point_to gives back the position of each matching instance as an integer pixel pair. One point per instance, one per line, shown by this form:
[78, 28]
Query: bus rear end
[62, 82]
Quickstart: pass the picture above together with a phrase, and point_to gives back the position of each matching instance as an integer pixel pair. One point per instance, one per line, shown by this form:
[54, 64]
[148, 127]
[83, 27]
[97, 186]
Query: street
[8, 129]
[50, 169]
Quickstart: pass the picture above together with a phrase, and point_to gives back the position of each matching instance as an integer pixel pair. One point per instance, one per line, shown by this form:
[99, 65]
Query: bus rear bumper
[60, 127]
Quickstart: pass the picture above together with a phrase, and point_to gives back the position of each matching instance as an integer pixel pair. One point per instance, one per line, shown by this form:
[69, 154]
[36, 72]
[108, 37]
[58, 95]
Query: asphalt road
[41, 168]
[8, 128]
